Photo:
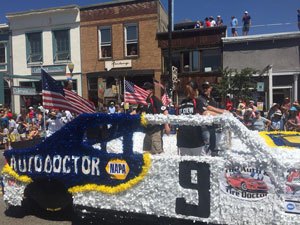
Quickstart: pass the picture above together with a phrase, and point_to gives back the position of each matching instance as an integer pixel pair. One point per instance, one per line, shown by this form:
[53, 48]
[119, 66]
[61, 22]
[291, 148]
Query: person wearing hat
[292, 124]
[277, 122]
[212, 21]
[219, 21]
[286, 103]
[272, 110]
[111, 108]
[153, 142]
[246, 23]
[189, 138]
[53, 124]
[209, 107]
[208, 102]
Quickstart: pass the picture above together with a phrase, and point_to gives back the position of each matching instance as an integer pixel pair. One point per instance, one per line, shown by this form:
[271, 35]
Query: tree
[240, 84]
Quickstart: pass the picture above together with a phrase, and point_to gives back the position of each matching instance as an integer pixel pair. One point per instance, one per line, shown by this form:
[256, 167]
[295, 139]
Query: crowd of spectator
[211, 22]
[37, 122]
[280, 117]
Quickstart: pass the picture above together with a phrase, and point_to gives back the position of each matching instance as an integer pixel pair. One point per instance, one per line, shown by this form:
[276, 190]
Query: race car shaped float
[96, 163]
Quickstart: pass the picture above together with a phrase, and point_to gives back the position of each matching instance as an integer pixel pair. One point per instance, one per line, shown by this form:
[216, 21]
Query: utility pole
[170, 29]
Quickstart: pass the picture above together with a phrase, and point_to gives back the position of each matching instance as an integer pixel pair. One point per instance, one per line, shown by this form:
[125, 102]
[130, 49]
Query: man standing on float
[153, 142]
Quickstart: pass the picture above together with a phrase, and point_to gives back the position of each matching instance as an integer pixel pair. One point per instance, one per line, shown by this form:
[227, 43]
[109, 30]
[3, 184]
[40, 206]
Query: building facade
[118, 42]
[196, 54]
[277, 56]
[5, 65]
[48, 38]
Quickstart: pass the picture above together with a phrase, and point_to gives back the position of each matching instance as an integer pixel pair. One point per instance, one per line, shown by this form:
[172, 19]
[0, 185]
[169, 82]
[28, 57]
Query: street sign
[56, 69]
[23, 91]
[260, 86]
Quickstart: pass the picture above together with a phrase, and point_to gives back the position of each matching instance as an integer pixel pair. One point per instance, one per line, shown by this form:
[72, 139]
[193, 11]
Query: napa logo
[117, 169]
[290, 206]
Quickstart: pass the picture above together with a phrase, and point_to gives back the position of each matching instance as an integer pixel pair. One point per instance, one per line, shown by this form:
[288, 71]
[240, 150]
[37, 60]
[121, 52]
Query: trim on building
[121, 73]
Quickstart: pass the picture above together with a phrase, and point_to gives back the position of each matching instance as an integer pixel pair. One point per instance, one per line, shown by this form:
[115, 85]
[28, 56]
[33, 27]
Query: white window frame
[5, 63]
[136, 41]
[55, 46]
[104, 44]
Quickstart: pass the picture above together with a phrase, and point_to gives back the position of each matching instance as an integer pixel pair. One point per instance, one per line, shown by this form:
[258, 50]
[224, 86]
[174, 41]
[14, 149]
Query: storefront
[27, 90]
[275, 56]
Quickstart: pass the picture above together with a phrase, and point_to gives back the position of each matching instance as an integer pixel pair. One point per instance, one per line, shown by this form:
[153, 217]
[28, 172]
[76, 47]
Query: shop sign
[36, 70]
[114, 64]
[260, 86]
[23, 91]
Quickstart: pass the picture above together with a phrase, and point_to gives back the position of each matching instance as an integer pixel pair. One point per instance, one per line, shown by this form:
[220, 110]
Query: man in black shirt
[153, 142]
[209, 108]
[189, 138]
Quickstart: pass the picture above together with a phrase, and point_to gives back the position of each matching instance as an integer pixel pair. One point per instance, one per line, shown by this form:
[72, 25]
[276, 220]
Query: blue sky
[268, 16]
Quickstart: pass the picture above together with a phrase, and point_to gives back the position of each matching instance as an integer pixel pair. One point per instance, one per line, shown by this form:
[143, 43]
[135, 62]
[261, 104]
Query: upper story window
[211, 60]
[105, 42]
[188, 61]
[61, 45]
[34, 47]
[2, 53]
[3, 57]
[131, 40]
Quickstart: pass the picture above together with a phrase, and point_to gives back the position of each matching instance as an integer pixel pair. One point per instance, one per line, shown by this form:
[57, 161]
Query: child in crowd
[34, 132]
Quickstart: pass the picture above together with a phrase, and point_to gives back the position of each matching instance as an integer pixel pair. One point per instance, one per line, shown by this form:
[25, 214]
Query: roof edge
[113, 3]
[261, 37]
[45, 10]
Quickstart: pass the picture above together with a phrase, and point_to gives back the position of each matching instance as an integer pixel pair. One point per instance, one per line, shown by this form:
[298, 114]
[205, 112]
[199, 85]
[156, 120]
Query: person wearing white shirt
[54, 124]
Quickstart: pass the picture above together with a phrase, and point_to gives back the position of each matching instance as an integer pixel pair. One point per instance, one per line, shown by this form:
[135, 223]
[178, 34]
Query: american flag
[55, 96]
[134, 94]
[164, 98]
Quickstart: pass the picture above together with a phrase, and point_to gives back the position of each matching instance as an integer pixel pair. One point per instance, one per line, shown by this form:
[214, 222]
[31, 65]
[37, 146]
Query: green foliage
[238, 83]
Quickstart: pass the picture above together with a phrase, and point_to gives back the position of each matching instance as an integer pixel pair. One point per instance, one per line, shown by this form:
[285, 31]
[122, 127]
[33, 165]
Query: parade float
[96, 163]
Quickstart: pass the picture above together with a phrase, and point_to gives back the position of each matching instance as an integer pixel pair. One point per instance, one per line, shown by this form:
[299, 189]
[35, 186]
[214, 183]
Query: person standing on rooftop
[207, 22]
[219, 21]
[247, 23]
[234, 24]
[212, 21]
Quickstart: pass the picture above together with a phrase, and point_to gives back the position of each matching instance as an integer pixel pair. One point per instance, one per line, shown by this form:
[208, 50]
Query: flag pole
[124, 93]
[44, 111]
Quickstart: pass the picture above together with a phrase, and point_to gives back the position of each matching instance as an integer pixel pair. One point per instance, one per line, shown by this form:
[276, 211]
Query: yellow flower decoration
[9, 171]
[270, 142]
[144, 122]
[119, 188]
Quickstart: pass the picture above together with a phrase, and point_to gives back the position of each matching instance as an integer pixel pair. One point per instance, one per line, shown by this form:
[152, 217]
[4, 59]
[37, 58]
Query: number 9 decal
[202, 186]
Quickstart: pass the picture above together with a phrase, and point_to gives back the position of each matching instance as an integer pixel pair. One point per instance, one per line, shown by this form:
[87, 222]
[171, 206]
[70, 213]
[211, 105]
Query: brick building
[118, 40]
